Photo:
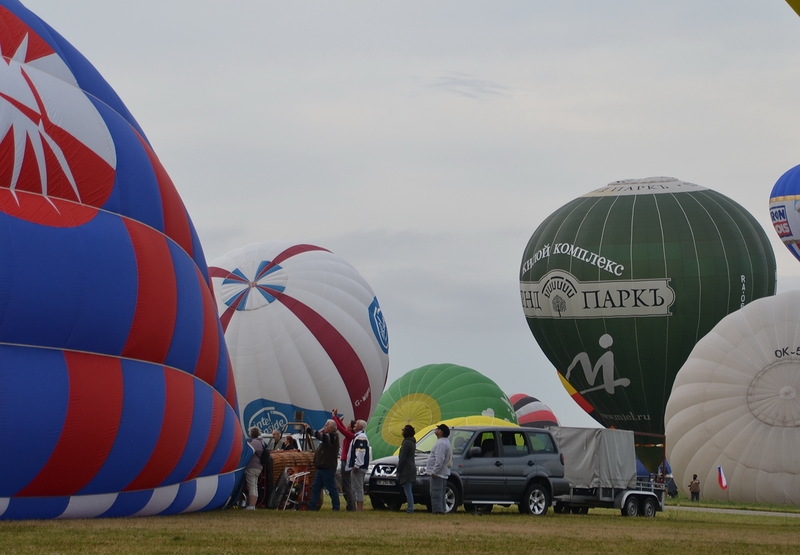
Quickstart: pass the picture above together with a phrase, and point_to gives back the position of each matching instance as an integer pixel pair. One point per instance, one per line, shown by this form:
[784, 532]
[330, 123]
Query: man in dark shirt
[325, 462]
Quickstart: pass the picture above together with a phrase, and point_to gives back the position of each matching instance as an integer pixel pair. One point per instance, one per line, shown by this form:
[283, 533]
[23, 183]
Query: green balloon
[428, 395]
[618, 285]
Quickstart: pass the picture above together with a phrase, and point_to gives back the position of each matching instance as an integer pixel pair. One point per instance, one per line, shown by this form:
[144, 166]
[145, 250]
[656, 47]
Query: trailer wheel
[535, 501]
[631, 507]
[648, 508]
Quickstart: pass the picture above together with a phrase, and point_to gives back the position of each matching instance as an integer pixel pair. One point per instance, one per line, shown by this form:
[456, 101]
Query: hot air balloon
[619, 284]
[116, 393]
[428, 395]
[531, 412]
[784, 209]
[734, 411]
[305, 332]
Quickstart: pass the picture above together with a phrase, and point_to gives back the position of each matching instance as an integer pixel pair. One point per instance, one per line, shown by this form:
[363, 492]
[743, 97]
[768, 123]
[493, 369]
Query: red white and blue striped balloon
[531, 412]
[116, 392]
[305, 332]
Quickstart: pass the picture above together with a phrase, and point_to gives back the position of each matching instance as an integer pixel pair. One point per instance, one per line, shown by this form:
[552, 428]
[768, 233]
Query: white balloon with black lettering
[733, 417]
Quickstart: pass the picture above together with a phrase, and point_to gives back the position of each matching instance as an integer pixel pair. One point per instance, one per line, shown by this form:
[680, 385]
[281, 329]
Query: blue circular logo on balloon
[378, 324]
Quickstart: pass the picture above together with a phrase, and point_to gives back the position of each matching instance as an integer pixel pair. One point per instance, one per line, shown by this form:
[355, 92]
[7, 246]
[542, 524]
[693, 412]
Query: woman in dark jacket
[406, 465]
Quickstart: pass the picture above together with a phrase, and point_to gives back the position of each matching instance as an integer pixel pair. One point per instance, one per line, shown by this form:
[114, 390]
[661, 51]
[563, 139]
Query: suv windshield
[458, 440]
[425, 444]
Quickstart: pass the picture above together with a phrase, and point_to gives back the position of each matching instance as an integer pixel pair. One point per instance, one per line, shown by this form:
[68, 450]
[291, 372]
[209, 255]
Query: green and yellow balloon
[619, 284]
[428, 395]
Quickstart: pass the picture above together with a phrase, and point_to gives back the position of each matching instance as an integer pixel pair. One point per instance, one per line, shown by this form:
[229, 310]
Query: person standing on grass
[348, 434]
[254, 468]
[325, 460]
[357, 463]
[694, 488]
[407, 466]
[438, 468]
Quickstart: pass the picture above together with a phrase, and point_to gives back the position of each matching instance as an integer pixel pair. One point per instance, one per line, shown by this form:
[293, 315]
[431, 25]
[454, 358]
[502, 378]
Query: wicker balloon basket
[295, 461]
[288, 477]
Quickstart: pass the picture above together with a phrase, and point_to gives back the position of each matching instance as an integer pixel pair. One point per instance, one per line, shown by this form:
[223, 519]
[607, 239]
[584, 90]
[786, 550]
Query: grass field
[326, 532]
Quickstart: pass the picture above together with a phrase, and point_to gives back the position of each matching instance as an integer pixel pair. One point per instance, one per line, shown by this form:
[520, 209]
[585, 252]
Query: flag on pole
[723, 483]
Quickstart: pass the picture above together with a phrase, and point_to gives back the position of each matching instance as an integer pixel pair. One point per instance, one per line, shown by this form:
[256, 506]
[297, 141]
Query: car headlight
[421, 471]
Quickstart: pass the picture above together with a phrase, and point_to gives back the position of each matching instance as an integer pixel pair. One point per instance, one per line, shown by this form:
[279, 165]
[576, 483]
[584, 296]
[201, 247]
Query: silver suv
[491, 466]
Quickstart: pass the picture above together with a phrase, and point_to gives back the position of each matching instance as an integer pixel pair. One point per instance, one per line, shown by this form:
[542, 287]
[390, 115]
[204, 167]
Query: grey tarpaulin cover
[597, 457]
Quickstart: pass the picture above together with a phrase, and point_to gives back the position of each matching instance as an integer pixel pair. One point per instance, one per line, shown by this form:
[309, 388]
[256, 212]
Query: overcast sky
[424, 141]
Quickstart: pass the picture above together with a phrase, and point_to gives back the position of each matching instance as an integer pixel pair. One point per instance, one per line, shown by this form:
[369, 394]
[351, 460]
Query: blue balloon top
[787, 185]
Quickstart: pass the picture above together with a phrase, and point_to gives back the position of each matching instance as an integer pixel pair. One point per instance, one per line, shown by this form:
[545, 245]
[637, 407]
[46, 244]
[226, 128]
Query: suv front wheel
[451, 501]
[451, 498]
[535, 501]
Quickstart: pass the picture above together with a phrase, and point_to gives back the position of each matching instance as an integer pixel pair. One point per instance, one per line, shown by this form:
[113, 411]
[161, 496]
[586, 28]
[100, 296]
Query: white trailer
[600, 465]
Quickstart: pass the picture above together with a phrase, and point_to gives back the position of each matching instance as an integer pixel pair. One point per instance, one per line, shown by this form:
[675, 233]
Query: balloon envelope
[305, 332]
[531, 412]
[784, 209]
[618, 285]
[428, 395]
[116, 395]
[735, 404]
